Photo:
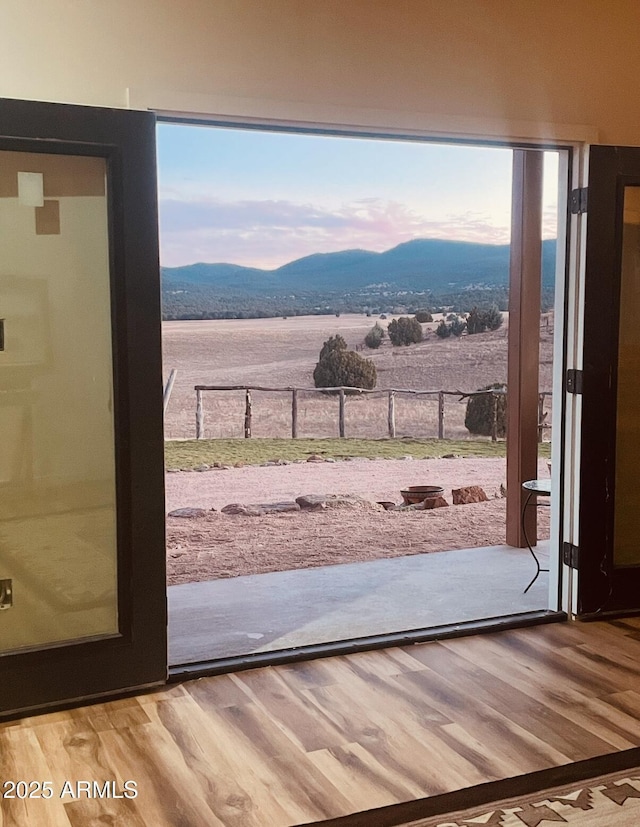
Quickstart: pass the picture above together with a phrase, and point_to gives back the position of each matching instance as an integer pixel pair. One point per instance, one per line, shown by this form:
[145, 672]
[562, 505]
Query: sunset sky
[263, 199]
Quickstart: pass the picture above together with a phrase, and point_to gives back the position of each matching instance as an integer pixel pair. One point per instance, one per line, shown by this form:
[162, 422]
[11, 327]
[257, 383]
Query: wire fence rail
[342, 392]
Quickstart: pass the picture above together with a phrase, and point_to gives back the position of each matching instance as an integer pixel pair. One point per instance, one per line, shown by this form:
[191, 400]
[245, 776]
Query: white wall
[381, 61]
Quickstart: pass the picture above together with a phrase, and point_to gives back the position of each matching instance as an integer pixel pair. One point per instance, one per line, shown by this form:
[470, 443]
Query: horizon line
[346, 250]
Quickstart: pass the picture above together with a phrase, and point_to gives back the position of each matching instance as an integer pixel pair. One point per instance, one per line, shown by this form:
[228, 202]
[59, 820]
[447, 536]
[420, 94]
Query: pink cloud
[270, 233]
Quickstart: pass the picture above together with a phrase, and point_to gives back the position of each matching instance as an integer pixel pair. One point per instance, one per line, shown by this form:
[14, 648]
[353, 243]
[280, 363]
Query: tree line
[198, 302]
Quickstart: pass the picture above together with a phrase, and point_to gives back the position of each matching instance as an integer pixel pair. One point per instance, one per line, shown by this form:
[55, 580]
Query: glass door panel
[58, 538]
[626, 548]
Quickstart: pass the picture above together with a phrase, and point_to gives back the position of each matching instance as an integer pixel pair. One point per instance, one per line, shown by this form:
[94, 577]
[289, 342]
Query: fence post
[294, 414]
[166, 394]
[247, 415]
[199, 416]
[392, 414]
[440, 415]
[341, 413]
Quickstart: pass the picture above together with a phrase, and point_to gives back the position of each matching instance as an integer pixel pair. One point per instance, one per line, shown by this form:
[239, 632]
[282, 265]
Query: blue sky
[262, 199]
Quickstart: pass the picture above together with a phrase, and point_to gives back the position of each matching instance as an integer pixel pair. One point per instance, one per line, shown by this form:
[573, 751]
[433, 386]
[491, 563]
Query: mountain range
[433, 265]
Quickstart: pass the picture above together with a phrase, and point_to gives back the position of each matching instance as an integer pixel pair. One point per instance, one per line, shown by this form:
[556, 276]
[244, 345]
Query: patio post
[524, 338]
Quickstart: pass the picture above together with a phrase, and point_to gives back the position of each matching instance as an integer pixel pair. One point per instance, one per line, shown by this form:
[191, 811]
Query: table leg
[524, 534]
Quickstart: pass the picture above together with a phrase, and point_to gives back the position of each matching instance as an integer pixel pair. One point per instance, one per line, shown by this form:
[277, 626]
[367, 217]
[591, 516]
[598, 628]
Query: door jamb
[573, 335]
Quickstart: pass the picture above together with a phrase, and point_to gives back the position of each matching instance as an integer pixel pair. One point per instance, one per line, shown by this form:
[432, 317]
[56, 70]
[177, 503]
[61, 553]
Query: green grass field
[191, 453]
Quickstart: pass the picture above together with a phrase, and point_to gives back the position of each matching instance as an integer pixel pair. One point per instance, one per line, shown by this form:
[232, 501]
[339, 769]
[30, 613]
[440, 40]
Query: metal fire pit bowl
[418, 493]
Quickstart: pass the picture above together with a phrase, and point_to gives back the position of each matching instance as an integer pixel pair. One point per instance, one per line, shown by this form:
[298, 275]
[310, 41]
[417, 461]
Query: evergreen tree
[404, 331]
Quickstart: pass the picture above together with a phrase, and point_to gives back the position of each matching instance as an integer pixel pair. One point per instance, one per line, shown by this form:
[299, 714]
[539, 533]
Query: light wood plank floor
[292, 744]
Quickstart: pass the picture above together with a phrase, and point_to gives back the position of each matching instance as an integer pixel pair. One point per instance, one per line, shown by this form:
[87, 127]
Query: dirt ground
[222, 545]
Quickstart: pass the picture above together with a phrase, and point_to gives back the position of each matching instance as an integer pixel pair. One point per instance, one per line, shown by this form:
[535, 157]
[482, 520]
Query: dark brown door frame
[136, 656]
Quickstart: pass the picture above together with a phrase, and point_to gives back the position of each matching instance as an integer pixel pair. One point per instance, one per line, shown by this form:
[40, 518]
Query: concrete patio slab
[282, 610]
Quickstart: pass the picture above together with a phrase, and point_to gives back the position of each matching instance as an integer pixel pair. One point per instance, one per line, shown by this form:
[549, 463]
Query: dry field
[283, 352]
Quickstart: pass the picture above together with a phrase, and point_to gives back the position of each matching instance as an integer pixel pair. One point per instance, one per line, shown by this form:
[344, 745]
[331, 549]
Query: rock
[311, 502]
[242, 510]
[258, 509]
[189, 512]
[238, 464]
[434, 502]
[353, 502]
[469, 494]
[388, 506]
[407, 457]
[413, 507]
[201, 468]
[320, 502]
[448, 456]
[275, 507]
[315, 458]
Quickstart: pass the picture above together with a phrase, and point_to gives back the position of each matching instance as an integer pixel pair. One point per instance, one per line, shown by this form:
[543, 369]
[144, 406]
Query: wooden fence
[342, 392]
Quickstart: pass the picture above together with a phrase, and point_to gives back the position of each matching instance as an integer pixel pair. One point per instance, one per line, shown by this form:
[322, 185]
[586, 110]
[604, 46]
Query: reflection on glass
[627, 521]
[57, 468]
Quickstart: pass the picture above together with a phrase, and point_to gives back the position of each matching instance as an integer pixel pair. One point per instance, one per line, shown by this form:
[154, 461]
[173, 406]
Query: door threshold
[219, 666]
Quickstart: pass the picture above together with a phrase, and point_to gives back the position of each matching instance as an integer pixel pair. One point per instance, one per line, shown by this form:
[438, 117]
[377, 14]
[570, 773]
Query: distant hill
[432, 265]
[419, 273]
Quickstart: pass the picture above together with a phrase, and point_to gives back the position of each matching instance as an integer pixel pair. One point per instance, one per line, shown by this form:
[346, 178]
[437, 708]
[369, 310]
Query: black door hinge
[574, 381]
[578, 200]
[570, 555]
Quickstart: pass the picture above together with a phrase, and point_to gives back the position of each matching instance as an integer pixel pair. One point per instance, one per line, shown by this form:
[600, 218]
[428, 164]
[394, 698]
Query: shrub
[480, 320]
[474, 322]
[339, 366]
[458, 326]
[333, 343]
[404, 331]
[423, 316]
[478, 418]
[493, 318]
[374, 337]
[443, 330]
